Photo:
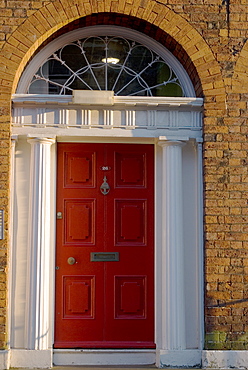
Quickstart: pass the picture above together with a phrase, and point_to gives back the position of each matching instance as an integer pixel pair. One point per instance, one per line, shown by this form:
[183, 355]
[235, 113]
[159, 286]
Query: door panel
[105, 303]
[130, 170]
[84, 178]
[126, 287]
[79, 297]
[80, 221]
[130, 222]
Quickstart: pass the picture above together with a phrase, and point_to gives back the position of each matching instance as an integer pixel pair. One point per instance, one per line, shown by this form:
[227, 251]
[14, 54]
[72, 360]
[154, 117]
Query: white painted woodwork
[12, 250]
[39, 237]
[59, 112]
[173, 300]
[19, 230]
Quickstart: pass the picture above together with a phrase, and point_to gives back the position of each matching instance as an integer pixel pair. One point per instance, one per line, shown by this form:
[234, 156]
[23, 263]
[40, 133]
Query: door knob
[71, 261]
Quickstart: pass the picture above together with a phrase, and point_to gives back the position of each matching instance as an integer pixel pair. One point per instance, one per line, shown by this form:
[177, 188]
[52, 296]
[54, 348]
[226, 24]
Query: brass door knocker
[105, 188]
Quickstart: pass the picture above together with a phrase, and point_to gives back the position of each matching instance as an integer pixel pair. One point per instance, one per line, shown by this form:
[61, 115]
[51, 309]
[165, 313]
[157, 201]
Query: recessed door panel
[130, 169]
[79, 169]
[79, 221]
[105, 244]
[130, 217]
[130, 297]
[79, 297]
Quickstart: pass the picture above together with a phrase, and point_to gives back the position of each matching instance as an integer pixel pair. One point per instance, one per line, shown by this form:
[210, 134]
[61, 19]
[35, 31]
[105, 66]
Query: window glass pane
[95, 50]
[117, 50]
[170, 90]
[139, 58]
[38, 87]
[73, 57]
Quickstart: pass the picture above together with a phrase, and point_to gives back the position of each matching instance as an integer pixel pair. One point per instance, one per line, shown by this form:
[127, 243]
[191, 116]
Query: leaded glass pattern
[106, 63]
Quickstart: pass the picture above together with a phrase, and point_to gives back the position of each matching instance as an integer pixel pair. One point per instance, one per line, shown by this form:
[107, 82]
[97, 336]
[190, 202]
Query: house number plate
[105, 168]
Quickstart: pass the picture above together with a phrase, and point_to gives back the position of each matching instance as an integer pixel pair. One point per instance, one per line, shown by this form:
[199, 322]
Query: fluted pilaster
[37, 320]
[173, 303]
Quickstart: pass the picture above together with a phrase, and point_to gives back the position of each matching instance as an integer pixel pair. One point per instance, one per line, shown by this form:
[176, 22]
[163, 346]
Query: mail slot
[104, 256]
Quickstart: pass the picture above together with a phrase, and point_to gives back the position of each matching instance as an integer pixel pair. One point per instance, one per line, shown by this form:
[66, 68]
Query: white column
[12, 252]
[173, 303]
[38, 282]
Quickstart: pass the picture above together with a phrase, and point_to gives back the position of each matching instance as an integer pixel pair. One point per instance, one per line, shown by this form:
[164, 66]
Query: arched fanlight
[112, 63]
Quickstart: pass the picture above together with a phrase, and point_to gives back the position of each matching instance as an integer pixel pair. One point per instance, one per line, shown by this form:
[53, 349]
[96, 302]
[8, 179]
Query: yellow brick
[107, 5]
[224, 32]
[128, 9]
[121, 5]
[56, 9]
[42, 19]
[114, 6]
[148, 10]
[87, 7]
[66, 3]
[140, 12]
[74, 10]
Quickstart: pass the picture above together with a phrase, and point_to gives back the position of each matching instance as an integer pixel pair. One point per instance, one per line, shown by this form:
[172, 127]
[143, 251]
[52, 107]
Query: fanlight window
[106, 63]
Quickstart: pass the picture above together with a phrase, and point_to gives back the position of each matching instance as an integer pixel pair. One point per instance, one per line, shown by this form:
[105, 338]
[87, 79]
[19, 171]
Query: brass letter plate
[104, 256]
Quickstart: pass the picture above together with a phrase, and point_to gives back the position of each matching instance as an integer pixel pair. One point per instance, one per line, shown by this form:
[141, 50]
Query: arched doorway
[152, 105]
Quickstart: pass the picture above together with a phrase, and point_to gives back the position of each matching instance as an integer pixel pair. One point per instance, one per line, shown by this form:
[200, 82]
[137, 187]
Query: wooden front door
[105, 246]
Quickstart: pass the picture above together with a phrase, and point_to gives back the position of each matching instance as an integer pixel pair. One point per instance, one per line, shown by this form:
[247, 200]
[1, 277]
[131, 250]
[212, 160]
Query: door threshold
[102, 357]
[111, 367]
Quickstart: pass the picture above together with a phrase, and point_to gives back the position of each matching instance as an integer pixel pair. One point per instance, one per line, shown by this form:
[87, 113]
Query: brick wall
[209, 38]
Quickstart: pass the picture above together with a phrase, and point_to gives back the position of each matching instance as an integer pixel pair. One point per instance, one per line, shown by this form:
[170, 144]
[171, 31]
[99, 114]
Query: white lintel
[99, 98]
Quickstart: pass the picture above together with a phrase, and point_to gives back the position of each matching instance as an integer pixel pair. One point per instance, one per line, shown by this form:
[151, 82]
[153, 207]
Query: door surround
[180, 129]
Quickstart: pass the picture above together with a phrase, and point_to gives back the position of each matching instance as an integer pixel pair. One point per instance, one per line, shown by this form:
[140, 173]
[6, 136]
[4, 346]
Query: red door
[105, 222]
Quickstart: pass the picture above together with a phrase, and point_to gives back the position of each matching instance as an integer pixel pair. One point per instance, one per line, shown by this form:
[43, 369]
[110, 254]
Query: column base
[184, 358]
[31, 359]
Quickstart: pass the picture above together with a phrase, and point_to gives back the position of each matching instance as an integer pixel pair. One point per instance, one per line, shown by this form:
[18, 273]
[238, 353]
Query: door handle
[71, 261]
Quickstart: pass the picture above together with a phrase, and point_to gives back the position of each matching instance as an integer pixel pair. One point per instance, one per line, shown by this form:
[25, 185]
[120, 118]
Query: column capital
[172, 141]
[42, 139]
[165, 143]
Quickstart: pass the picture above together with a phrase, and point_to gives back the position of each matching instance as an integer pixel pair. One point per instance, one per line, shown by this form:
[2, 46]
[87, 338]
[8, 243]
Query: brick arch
[240, 75]
[178, 35]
